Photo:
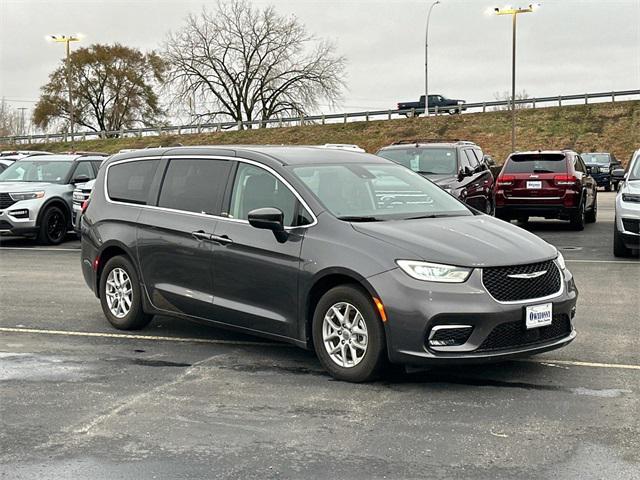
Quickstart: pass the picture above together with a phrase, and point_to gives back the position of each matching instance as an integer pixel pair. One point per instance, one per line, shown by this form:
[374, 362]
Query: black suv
[601, 164]
[346, 253]
[457, 166]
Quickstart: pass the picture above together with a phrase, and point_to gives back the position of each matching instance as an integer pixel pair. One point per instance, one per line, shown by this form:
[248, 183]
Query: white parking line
[626, 262]
[576, 363]
[138, 337]
[66, 333]
[41, 249]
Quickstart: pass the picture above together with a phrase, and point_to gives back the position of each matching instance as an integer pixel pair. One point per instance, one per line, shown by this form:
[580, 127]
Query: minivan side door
[173, 237]
[255, 276]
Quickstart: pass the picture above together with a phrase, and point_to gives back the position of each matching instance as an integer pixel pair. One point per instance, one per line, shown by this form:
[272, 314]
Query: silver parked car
[626, 230]
[36, 194]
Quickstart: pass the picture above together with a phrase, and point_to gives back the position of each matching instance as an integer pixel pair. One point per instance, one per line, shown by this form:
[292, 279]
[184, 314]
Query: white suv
[626, 230]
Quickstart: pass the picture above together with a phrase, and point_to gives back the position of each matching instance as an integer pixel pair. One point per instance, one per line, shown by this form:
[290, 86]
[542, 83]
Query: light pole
[426, 60]
[67, 39]
[514, 14]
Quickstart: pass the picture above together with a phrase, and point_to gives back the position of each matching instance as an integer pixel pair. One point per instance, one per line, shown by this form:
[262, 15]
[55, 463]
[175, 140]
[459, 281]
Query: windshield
[36, 171]
[434, 161]
[536, 163]
[602, 158]
[634, 171]
[374, 192]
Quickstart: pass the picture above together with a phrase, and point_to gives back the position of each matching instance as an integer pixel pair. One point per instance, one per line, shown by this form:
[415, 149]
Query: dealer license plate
[539, 315]
[534, 184]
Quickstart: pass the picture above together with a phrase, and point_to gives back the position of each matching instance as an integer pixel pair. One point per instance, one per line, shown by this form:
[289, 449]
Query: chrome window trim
[528, 300]
[206, 215]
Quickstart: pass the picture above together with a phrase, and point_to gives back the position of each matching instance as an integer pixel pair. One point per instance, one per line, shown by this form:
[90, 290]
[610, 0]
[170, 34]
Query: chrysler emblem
[528, 275]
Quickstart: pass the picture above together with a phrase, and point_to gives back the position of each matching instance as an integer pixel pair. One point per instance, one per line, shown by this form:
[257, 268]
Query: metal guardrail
[321, 119]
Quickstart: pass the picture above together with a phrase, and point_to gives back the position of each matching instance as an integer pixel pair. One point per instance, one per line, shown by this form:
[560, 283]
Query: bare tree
[506, 97]
[246, 64]
[10, 122]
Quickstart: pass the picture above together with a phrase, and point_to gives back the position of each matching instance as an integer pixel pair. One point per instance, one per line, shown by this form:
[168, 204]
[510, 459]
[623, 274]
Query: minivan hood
[472, 241]
[24, 186]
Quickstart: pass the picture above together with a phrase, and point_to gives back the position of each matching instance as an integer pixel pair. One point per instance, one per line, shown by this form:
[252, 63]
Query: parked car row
[36, 194]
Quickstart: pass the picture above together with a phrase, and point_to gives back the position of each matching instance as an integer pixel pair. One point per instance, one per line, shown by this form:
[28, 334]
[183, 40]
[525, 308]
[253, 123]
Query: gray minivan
[352, 255]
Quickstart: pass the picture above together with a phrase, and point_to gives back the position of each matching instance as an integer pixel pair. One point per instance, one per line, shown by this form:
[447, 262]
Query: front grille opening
[449, 335]
[521, 282]
[6, 201]
[515, 334]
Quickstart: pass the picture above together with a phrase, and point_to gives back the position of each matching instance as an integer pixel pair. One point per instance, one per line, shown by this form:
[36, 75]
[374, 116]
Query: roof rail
[433, 140]
[87, 154]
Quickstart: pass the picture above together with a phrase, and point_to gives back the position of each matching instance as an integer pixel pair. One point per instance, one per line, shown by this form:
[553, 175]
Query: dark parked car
[549, 184]
[295, 244]
[437, 104]
[457, 166]
[600, 166]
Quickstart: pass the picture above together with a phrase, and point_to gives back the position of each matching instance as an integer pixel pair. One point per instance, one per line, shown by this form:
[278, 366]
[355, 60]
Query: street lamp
[67, 39]
[426, 60]
[514, 12]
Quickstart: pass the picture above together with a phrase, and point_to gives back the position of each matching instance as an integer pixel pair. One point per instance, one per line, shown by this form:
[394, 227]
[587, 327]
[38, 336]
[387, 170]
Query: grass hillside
[611, 127]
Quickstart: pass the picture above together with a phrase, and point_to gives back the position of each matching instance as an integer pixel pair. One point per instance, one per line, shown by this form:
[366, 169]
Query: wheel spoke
[335, 350]
[343, 352]
[332, 323]
[354, 357]
[359, 346]
[338, 315]
[345, 316]
[331, 336]
[344, 334]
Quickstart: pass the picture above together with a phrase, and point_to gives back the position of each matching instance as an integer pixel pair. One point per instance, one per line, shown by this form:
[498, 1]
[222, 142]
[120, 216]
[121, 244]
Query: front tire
[53, 226]
[121, 295]
[619, 248]
[592, 215]
[348, 335]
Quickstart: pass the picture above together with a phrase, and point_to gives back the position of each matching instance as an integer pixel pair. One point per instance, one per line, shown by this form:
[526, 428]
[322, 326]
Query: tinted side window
[83, 169]
[580, 167]
[130, 181]
[96, 165]
[464, 160]
[256, 188]
[472, 159]
[195, 185]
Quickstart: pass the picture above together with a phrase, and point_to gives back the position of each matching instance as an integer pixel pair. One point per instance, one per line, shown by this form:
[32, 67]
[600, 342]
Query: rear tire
[53, 226]
[607, 187]
[340, 349]
[578, 219]
[121, 295]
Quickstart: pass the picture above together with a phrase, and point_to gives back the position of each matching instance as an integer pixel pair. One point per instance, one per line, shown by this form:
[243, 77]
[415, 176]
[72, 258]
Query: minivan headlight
[26, 195]
[561, 262]
[434, 272]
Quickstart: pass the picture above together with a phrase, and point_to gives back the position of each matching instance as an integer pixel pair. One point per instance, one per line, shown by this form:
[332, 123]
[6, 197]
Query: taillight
[85, 204]
[506, 180]
[565, 179]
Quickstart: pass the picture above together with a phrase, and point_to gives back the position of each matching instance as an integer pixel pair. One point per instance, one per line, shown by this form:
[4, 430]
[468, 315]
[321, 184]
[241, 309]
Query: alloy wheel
[344, 334]
[119, 292]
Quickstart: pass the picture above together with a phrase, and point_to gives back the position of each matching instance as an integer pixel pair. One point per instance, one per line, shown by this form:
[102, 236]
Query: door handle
[224, 239]
[200, 235]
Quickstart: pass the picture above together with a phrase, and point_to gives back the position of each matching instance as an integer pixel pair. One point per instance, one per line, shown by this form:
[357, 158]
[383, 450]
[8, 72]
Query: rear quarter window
[536, 163]
[130, 181]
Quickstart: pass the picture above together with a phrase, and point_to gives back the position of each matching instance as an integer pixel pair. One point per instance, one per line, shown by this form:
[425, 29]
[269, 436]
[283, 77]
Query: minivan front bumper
[414, 308]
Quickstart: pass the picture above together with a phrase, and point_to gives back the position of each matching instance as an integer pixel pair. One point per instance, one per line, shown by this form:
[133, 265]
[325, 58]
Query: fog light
[22, 213]
[449, 335]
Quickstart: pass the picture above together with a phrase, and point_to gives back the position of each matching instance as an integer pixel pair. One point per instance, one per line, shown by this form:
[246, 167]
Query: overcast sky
[566, 47]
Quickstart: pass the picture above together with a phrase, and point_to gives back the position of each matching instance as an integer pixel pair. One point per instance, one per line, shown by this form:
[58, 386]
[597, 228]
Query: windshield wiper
[430, 215]
[424, 172]
[356, 218]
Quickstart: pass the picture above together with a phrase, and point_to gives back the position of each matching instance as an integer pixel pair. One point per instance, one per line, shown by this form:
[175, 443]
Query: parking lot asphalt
[79, 399]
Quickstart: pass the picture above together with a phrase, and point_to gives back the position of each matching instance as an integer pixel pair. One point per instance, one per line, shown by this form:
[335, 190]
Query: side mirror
[589, 170]
[618, 174]
[269, 218]
[464, 172]
[81, 179]
[488, 159]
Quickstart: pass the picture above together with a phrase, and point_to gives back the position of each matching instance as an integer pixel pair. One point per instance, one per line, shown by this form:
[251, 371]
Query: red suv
[549, 184]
